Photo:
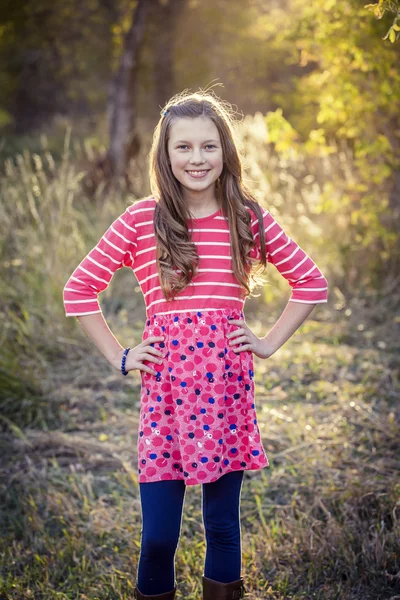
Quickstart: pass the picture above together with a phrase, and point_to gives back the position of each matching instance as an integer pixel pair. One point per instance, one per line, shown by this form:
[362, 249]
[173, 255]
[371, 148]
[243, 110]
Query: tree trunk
[121, 104]
[166, 23]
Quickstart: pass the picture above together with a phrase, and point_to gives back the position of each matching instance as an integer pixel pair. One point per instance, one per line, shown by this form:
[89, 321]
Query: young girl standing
[192, 246]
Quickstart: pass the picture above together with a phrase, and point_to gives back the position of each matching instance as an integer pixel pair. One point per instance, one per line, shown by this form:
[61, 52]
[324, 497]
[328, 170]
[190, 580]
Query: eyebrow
[186, 142]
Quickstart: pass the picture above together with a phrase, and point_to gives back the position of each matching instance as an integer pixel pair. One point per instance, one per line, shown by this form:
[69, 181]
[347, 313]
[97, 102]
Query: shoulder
[142, 210]
[255, 210]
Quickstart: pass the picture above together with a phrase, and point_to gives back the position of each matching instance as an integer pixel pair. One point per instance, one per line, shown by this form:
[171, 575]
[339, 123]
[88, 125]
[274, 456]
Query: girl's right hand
[141, 352]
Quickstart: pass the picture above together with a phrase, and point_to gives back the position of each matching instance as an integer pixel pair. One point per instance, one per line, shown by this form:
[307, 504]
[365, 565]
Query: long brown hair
[175, 249]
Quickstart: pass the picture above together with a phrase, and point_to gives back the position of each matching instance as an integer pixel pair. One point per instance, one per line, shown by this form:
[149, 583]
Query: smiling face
[195, 153]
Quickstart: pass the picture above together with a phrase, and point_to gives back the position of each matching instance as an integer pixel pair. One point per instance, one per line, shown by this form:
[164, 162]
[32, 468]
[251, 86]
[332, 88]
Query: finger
[242, 348]
[153, 339]
[152, 350]
[150, 358]
[235, 333]
[243, 338]
[148, 370]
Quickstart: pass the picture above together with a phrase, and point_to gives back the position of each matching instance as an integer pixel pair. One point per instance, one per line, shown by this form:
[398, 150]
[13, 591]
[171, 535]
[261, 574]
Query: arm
[97, 329]
[101, 335]
[290, 320]
[309, 287]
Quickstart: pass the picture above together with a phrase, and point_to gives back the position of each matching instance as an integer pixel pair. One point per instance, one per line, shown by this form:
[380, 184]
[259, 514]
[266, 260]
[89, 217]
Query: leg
[221, 516]
[162, 504]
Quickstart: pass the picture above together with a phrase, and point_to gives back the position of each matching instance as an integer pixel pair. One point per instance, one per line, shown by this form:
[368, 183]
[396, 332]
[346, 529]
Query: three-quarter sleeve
[115, 249]
[309, 286]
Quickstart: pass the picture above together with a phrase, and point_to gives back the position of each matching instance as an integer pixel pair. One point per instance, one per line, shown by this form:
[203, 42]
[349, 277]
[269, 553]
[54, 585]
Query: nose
[197, 157]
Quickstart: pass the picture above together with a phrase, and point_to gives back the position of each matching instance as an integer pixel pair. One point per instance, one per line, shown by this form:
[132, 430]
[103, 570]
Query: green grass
[320, 523]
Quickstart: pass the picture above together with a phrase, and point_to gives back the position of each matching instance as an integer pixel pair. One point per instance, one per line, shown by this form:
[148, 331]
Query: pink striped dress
[198, 416]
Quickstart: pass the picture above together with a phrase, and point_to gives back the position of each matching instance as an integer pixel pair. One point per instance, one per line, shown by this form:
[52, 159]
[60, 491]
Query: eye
[183, 146]
[210, 146]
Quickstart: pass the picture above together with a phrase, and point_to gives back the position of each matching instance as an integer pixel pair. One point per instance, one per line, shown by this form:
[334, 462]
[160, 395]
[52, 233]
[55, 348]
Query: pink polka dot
[157, 441]
[209, 445]
[235, 464]
[150, 471]
[211, 466]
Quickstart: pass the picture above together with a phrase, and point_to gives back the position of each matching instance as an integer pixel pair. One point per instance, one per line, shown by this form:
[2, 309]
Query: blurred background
[316, 87]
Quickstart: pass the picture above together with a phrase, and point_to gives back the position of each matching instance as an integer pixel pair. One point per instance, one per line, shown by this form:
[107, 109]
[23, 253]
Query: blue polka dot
[175, 342]
[206, 427]
[176, 319]
[169, 437]
[220, 441]
[199, 314]
[151, 409]
[234, 450]
[226, 462]
[240, 378]
[200, 344]
[183, 384]
[211, 400]
[209, 375]
[255, 452]
[233, 426]
[203, 410]
[153, 455]
[154, 424]
[213, 327]
[159, 398]
[204, 459]
[252, 406]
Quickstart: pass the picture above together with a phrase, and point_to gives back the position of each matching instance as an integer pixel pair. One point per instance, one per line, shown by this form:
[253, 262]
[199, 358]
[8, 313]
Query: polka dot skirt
[197, 416]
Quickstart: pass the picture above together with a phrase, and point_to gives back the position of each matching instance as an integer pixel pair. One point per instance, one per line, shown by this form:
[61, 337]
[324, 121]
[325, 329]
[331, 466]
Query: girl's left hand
[251, 342]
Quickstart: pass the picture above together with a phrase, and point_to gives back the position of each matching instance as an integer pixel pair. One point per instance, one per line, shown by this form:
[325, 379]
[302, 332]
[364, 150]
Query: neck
[201, 202]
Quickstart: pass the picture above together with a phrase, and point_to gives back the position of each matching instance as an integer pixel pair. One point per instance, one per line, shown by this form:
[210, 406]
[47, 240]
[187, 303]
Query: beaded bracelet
[124, 361]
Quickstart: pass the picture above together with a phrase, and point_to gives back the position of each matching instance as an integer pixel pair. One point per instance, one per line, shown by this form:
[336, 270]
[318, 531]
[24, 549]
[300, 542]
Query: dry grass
[322, 523]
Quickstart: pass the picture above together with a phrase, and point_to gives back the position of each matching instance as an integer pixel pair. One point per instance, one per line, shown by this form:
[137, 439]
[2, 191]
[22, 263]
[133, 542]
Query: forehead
[193, 129]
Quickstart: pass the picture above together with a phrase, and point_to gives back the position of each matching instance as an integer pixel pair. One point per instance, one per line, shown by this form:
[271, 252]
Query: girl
[192, 246]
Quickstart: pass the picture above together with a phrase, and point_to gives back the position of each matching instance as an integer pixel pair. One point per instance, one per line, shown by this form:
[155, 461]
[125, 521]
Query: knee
[223, 532]
[158, 546]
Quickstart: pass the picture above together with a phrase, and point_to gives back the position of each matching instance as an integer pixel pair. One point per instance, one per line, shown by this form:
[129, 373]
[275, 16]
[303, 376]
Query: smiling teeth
[198, 172]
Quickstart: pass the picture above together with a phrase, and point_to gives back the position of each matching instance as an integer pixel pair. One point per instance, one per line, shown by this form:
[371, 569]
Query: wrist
[268, 348]
[116, 359]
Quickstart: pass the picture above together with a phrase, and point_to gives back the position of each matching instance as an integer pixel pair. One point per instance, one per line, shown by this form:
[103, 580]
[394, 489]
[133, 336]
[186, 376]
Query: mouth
[197, 174]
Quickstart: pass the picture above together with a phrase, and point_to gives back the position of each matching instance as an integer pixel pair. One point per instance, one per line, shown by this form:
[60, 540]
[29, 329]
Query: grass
[321, 523]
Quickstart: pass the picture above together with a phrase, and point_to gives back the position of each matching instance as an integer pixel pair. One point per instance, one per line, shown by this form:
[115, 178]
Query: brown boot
[215, 590]
[166, 596]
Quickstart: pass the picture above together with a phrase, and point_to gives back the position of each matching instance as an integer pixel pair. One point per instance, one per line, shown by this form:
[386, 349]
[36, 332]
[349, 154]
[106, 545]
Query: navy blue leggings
[162, 506]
